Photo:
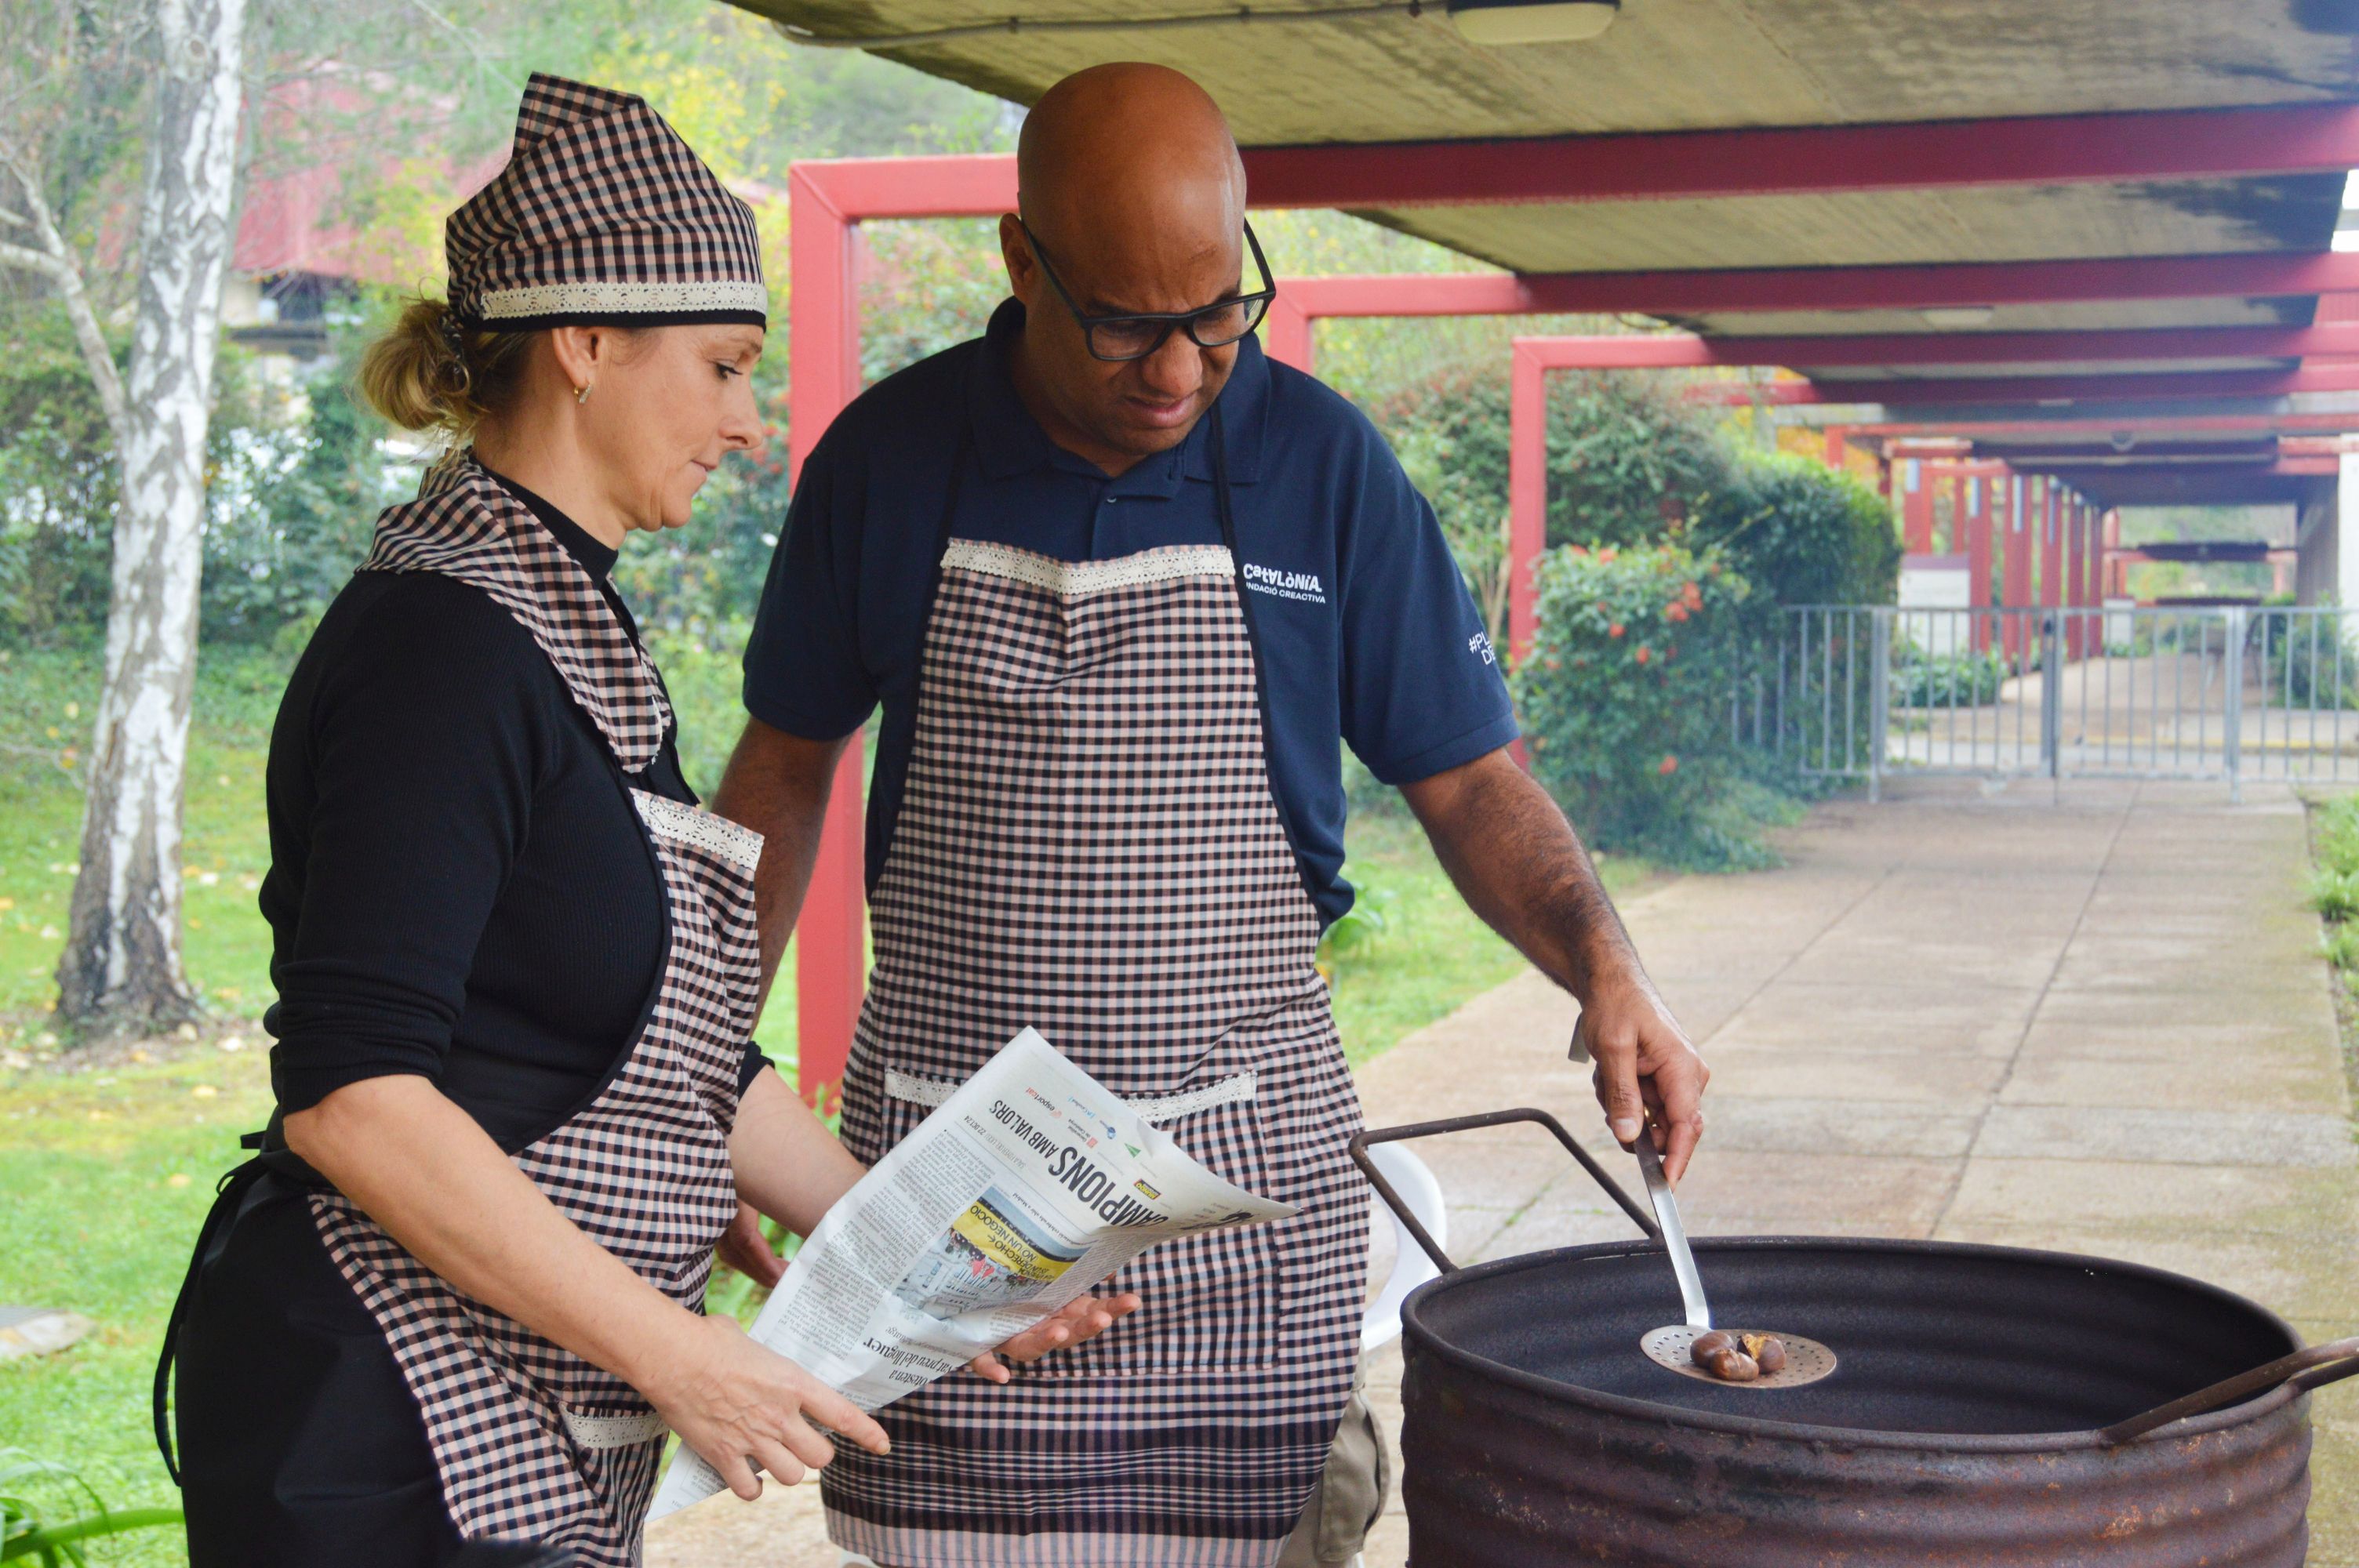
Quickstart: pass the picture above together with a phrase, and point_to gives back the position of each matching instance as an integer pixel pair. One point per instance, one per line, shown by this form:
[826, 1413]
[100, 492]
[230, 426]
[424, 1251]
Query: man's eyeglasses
[1135, 336]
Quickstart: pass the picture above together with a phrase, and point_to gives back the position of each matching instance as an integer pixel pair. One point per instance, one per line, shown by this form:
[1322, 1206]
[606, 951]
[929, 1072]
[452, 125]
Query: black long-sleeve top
[460, 887]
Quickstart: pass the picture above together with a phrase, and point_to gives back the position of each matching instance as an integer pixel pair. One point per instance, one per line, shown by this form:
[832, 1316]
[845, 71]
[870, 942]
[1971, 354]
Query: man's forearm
[788, 1167]
[1520, 865]
[778, 784]
[1522, 868]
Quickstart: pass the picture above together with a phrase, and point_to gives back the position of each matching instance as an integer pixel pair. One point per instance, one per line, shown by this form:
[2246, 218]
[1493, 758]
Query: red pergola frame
[829, 199]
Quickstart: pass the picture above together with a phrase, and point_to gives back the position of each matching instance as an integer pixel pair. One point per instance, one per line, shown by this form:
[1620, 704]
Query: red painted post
[2015, 570]
[1838, 437]
[2092, 562]
[1527, 497]
[1978, 519]
[2051, 545]
[823, 368]
[1916, 507]
[2117, 571]
[2076, 569]
[1286, 334]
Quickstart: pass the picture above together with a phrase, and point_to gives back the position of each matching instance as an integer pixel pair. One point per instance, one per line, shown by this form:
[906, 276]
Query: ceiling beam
[1904, 434]
[1673, 349]
[2234, 484]
[2186, 144]
[2045, 389]
[2254, 449]
[1694, 292]
[2180, 144]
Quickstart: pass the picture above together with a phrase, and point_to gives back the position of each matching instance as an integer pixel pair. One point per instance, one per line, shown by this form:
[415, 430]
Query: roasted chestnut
[1734, 1367]
[1708, 1346]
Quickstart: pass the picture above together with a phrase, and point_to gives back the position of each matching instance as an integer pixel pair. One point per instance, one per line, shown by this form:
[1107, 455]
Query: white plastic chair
[1411, 1267]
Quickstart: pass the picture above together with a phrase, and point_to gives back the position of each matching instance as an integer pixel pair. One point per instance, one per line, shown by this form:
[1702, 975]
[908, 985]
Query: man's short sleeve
[803, 669]
[1422, 688]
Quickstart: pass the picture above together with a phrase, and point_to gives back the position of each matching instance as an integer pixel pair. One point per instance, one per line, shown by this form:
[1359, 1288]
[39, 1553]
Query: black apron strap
[1219, 450]
[227, 1195]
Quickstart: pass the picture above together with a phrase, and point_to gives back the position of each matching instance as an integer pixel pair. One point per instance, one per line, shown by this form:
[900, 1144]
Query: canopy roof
[1737, 136]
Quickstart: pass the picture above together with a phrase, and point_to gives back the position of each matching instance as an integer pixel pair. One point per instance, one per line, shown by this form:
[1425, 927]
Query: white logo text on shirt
[1302, 586]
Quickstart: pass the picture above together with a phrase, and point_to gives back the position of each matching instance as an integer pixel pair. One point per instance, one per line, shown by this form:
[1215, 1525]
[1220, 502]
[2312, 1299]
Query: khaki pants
[1349, 1497]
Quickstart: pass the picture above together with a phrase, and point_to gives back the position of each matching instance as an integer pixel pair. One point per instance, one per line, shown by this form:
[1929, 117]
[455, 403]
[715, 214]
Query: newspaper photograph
[1029, 1184]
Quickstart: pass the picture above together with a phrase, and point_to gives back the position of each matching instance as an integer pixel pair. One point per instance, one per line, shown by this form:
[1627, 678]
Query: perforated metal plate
[1806, 1360]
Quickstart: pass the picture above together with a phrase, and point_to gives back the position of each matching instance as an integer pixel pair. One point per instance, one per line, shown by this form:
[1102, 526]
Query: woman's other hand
[745, 1249]
[745, 1406]
[1084, 1317]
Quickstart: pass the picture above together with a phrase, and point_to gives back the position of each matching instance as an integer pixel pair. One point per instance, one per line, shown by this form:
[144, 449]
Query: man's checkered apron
[533, 1442]
[1088, 844]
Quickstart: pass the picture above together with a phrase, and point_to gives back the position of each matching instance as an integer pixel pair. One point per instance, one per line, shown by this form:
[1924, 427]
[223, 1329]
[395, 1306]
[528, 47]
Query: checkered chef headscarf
[604, 216]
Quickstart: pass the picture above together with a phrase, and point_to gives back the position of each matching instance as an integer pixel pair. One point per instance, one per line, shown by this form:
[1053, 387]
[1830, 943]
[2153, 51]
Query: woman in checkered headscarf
[450, 1309]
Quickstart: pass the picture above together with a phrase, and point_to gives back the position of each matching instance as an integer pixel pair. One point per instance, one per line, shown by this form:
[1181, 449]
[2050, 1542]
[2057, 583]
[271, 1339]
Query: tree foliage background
[411, 105]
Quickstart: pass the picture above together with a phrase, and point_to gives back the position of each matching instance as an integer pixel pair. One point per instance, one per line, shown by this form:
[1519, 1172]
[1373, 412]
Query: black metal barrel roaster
[1991, 1406]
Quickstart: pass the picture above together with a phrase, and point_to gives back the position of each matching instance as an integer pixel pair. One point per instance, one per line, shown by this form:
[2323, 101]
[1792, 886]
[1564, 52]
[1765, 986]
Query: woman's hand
[744, 1248]
[744, 1407]
[1083, 1317]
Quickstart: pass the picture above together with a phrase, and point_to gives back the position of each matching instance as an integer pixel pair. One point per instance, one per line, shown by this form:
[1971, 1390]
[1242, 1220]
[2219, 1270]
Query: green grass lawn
[107, 1171]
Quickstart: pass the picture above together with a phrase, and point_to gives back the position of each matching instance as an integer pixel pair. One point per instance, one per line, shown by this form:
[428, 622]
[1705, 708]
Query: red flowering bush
[1624, 699]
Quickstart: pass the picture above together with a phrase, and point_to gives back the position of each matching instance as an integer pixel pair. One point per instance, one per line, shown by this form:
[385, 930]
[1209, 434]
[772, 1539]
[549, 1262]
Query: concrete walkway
[2097, 1024]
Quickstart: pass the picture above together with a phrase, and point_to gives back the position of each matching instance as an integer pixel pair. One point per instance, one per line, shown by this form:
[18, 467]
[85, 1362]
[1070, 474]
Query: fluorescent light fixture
[1947, 316]
[2346, 239]
[1492, 23]
[2350, 190]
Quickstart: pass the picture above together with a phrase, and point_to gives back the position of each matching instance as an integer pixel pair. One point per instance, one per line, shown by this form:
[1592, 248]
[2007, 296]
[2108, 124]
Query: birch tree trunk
[121, 971]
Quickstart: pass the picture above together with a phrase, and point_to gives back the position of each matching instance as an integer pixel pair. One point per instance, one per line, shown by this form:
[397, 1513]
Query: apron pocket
[617, 1452]
[597, 1430]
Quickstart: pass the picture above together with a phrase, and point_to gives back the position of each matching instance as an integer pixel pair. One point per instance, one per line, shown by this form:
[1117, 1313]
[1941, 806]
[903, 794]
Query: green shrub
[1358, 927]
[2337, 835]
[1920, 679]
[1626, 698]
[2334, 893]
[1624, 458]
[1801, 533]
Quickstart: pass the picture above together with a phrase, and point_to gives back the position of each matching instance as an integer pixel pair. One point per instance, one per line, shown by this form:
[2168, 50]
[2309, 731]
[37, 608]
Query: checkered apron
[533, 1442]
[1088, 844]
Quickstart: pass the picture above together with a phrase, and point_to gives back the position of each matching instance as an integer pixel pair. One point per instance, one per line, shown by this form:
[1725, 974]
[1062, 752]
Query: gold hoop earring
[582, 393]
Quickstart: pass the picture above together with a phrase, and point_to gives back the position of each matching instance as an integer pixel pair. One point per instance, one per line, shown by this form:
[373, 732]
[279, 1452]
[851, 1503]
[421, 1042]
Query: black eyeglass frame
[1170, 321]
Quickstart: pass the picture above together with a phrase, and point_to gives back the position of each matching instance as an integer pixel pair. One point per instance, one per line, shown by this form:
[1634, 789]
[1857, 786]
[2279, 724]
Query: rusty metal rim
[1425, 1338]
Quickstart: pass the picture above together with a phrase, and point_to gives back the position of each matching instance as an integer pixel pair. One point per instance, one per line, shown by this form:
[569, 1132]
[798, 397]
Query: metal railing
[2230, 693]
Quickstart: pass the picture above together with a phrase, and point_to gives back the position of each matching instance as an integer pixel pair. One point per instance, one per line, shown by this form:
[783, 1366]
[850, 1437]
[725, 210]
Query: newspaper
[1030, 1184]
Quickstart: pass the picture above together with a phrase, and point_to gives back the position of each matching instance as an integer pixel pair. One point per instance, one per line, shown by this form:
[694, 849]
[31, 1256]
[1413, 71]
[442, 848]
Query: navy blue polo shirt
[1367, 633]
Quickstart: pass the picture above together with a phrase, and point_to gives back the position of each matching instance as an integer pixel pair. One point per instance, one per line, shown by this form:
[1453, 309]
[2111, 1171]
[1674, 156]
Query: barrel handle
[2313, 1367]
[1361, 1140]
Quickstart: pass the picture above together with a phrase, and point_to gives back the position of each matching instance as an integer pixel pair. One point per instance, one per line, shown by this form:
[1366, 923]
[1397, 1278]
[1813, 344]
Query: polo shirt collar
[1009, 441]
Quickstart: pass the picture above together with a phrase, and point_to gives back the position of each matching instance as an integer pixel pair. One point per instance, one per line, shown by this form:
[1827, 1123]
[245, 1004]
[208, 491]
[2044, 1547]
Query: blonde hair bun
[431, 371]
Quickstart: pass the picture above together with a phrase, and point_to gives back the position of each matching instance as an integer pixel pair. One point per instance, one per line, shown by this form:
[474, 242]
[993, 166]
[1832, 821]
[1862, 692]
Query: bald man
[1125, 588]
